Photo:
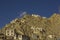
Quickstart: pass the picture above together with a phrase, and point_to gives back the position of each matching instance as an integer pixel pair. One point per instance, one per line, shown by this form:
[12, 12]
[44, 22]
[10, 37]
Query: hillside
[36, 27]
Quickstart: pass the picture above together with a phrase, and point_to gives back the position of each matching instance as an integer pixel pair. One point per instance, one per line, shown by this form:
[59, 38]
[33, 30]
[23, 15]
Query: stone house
[12, 34]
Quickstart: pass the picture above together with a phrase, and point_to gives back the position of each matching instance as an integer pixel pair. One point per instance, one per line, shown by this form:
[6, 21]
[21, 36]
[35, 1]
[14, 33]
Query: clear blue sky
[10, 9]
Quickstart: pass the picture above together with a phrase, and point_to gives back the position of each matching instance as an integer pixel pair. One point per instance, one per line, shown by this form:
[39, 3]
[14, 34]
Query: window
[8, 31]
[7, 34]
[12, 31]
[12, 34]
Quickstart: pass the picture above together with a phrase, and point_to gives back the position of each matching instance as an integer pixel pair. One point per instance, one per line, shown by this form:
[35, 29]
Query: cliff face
[37, 27]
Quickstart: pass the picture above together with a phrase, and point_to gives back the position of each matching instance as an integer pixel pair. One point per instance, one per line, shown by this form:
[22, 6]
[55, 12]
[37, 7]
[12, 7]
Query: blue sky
[10, 9]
